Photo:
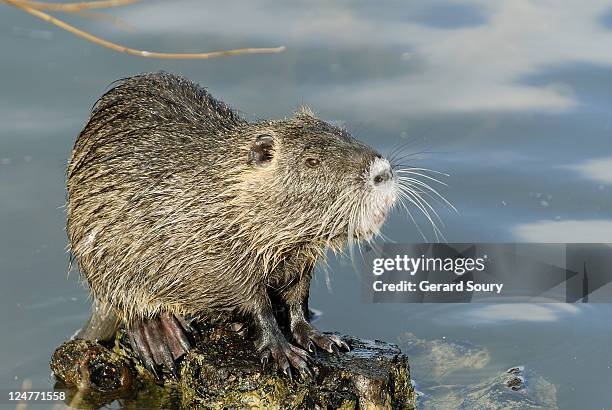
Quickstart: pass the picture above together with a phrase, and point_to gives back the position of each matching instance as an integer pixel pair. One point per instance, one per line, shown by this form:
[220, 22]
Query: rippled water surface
[511, 98]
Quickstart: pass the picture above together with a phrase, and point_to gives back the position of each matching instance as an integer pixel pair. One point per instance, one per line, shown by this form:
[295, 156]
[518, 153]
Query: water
[511, 98]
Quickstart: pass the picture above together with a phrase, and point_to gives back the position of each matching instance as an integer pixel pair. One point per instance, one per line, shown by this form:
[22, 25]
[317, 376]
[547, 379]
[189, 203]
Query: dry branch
[34, 8]
[72, 7]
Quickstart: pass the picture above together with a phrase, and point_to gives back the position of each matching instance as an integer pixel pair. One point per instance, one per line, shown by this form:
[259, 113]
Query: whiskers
[415, 187]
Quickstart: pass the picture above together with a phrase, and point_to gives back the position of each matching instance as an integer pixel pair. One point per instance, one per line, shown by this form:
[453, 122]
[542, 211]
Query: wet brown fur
[167, 213]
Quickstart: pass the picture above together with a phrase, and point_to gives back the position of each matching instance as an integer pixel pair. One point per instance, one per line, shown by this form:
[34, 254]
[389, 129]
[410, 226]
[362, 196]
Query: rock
[223, 371]
[438, 366]
[515, 388]
[92, 375]
[93, 369]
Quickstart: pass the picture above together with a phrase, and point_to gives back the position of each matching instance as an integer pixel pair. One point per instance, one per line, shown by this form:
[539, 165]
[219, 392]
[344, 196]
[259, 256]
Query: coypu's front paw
[284, 355]
[305, 334]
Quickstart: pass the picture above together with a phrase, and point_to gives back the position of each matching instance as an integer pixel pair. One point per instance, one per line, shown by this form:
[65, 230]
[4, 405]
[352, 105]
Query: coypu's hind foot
[160, 341]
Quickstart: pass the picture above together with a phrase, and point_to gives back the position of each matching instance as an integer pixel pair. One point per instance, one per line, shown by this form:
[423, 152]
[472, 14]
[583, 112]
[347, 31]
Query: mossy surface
[222, 371]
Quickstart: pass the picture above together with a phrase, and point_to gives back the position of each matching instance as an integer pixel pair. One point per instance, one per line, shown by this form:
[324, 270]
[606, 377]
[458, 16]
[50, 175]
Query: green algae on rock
[223, 371]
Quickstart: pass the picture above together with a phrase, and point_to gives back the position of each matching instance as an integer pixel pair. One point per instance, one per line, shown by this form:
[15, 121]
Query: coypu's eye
[313, 162]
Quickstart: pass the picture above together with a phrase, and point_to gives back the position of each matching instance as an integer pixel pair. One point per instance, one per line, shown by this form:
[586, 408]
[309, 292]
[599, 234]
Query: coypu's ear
[262, 150]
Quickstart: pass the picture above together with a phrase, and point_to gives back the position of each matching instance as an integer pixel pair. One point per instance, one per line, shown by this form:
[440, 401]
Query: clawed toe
[307, 336]
[140, 346]
[286, 356]
[340, 343]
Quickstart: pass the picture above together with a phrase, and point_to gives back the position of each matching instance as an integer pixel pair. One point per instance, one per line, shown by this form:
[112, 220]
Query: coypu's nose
[380, 170]
[382, 177]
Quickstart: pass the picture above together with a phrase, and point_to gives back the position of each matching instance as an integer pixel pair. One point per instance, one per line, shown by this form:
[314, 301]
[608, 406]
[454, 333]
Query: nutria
[178, 207]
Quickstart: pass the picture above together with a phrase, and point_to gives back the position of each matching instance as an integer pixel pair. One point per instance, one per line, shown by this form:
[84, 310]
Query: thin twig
[72, 7]
[20, 4]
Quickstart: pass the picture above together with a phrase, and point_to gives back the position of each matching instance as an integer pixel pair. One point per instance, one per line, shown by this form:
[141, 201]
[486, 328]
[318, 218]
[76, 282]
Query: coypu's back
[150, 101]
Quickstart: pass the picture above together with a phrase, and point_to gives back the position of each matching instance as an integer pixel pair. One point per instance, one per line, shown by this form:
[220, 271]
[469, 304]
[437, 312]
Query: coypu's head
[320, 180]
